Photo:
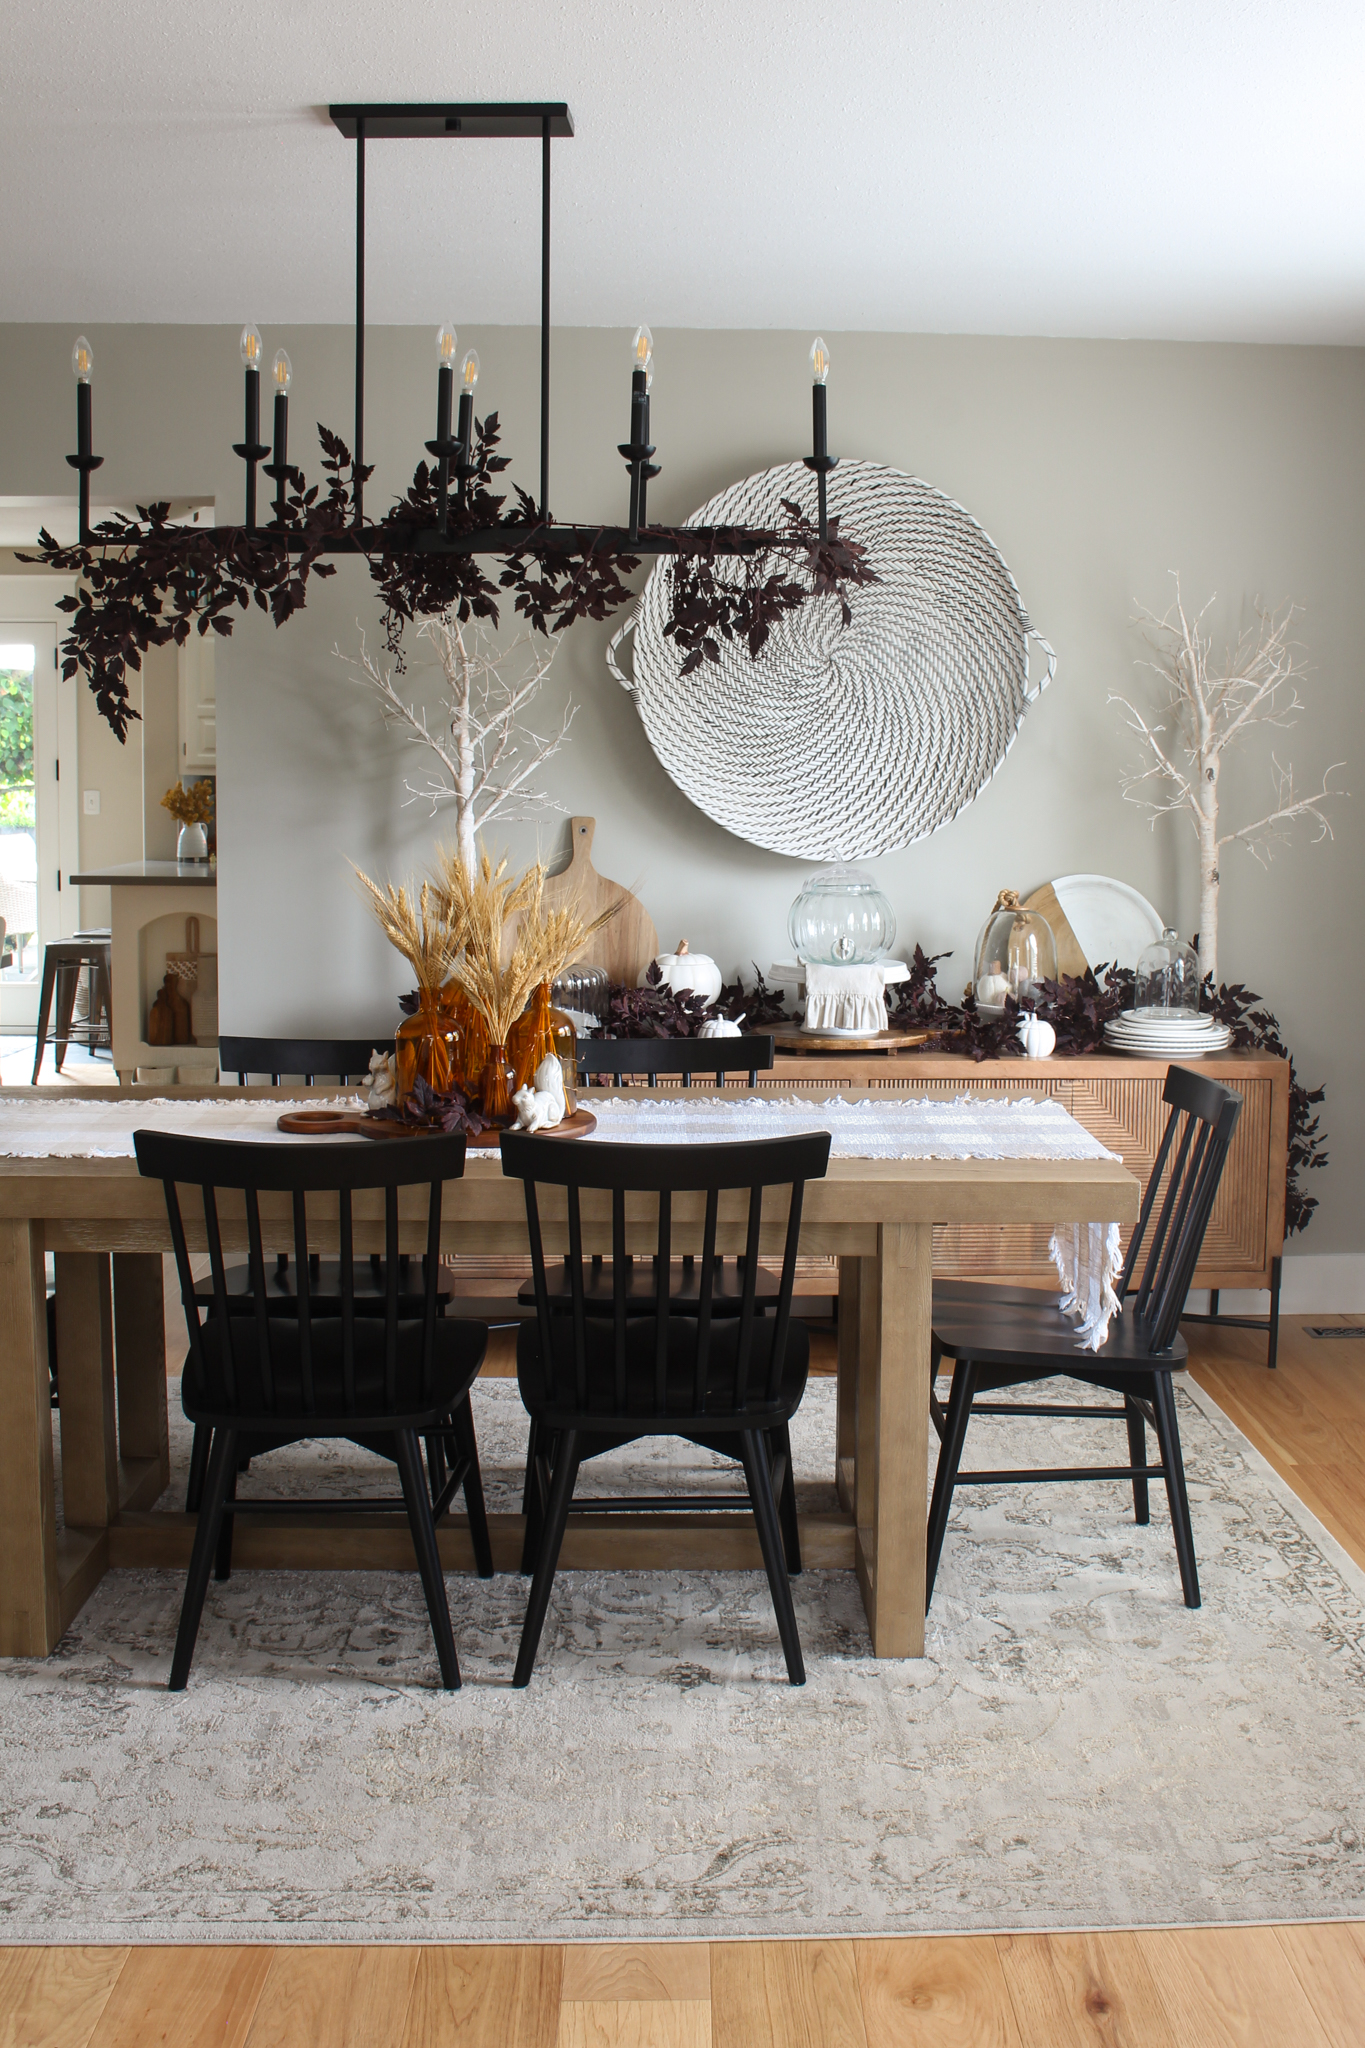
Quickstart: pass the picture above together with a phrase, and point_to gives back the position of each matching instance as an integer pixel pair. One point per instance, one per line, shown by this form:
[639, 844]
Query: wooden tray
[791, 1038]
[576, 1124]
[343, 1123]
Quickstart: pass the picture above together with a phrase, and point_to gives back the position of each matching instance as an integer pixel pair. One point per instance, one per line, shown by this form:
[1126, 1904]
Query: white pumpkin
[685, 970]
[1037, 1037]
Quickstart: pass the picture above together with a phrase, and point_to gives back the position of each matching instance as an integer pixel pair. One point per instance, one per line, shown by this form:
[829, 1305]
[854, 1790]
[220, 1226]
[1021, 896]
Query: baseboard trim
[1313, 1283]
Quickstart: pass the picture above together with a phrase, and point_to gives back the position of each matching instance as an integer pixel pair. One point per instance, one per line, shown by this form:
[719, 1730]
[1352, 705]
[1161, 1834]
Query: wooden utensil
[624, 947]
[340, 1123]
[344, 1123]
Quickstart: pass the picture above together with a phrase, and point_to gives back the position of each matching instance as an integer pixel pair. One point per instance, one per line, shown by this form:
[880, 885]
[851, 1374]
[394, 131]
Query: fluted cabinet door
[1119, 1102]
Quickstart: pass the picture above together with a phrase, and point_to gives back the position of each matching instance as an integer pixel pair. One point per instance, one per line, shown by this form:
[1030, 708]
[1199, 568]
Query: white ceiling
[1182, 168]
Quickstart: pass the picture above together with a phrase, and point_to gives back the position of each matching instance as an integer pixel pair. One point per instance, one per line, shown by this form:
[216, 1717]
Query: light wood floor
[1264, 1987]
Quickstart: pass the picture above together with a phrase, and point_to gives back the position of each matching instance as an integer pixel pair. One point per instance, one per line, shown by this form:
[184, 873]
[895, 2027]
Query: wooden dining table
[108, 1233]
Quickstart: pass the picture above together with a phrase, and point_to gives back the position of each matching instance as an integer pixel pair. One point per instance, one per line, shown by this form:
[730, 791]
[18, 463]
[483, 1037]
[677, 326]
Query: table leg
[890, 1479]
[846, 1427]
[85, 1355]
[140, 1361]
[30, 1594]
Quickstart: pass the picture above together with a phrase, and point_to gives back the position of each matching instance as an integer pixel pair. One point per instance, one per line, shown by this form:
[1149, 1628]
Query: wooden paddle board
[1070, 958]
[624, 947]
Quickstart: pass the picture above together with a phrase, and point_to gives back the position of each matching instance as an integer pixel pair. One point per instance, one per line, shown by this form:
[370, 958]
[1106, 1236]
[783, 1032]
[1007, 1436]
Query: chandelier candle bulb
[469, 377]
[819, 458]
[82, 365]
[251, 448]
[282, 374]
[443, 448]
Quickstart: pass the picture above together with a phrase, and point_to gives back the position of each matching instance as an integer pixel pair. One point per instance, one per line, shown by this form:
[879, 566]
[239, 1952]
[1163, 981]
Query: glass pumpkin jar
[1015, 952]
[426, 1045]
[841, 919]
[542, 1032]
[1167, 980]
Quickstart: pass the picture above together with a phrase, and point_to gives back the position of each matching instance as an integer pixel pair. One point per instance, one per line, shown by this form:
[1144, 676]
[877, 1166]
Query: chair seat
[603, 1414]
[324, 1289]
[642, 1287]
[1013, 1332]
[458, 1353]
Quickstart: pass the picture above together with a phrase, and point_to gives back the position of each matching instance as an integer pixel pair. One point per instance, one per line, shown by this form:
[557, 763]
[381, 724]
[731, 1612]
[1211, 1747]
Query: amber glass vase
[472, 1035]
[426, 1044]
[542, 1032]
[495, 1089]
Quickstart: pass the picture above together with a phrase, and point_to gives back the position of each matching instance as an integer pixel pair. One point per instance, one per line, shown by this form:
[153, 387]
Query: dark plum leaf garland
[148, 583]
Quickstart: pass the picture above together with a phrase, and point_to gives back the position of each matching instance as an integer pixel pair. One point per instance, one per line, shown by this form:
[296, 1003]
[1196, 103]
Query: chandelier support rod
[359, 317]
[545, 318]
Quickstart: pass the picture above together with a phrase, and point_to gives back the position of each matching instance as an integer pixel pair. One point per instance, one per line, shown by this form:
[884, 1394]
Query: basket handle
[626, 682]
[1031, 696]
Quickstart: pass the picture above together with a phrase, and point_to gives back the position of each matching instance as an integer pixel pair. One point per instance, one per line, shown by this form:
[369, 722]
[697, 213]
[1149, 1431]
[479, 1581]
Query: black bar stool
[63, 960]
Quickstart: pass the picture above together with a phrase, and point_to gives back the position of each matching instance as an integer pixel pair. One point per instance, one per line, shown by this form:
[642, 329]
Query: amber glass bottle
[472, 1034]
[542, 1032]
[426, 1044]
[495, 1090]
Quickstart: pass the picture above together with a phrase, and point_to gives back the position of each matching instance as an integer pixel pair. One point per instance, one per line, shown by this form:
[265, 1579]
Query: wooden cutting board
[1070, 958]
[624, 947]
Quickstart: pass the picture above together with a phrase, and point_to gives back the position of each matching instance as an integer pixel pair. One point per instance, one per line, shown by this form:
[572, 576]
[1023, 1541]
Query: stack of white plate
[1189, 1037]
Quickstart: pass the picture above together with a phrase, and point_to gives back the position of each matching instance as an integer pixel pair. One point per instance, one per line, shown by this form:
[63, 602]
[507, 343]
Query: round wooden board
[791, 1038]
[576, 1124]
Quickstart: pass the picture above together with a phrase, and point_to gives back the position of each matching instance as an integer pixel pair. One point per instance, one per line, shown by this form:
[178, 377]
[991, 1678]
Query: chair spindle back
[298, 1170]
[1185, 1173]
[663, 1171]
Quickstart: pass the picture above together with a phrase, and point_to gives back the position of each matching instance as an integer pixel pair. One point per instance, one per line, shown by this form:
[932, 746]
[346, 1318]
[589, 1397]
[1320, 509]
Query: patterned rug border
[319, 1932]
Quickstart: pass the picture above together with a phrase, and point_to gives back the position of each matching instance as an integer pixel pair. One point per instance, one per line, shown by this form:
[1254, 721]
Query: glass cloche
[1016, 950]
[841, 919]
[1167, 980]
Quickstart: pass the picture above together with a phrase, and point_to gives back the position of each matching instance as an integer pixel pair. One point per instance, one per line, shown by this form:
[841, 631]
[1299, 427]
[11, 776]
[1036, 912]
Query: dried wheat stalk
[419, 931]
[490, 900]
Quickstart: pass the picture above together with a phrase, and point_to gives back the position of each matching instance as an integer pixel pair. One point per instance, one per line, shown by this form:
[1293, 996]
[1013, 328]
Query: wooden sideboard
[1117, 1099]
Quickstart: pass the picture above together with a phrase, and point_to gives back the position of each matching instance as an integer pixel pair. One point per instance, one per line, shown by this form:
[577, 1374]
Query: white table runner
[1087, 1256]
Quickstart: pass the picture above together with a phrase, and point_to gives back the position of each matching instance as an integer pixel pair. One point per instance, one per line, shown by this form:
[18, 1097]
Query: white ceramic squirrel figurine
[383, 1092]
[542, 1105]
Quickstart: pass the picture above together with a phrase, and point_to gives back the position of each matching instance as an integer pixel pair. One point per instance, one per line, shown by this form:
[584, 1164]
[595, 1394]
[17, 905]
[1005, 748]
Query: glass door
[38, 820]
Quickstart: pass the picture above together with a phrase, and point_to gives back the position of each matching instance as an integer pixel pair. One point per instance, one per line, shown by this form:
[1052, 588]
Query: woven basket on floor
[850, 741]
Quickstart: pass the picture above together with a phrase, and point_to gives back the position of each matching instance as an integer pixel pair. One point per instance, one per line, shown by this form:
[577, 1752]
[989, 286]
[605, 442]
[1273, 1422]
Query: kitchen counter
[150, 873]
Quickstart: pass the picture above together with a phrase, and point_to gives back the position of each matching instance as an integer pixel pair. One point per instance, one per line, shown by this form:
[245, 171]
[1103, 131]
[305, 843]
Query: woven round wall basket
[845, 741]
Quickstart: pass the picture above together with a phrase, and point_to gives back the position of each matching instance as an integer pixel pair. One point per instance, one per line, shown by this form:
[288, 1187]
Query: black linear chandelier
[149, 583]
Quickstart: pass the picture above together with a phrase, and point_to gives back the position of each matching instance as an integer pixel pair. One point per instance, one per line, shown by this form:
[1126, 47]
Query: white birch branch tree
[483, 755]
[1184, 739]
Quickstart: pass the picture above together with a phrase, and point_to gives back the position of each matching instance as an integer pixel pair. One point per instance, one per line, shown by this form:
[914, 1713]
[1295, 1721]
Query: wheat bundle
[418, 930]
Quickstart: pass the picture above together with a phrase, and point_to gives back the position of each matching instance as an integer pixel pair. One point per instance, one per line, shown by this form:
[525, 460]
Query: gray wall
[1096, 467]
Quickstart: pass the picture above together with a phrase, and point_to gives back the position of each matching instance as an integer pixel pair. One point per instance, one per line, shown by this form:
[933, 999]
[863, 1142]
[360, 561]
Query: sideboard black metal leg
[1273, 1348]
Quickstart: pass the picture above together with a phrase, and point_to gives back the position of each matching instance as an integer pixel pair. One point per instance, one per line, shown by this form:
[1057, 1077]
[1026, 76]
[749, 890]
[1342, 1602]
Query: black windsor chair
[682, 1056]
[344, 1060]
[341, 1059]
[605, 1375]
[1004, 1337]
[264, 1377]
[652, 1057]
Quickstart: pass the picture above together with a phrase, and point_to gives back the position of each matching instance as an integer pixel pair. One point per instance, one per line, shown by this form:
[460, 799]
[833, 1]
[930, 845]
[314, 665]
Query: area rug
[1076, 1750]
